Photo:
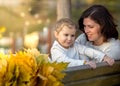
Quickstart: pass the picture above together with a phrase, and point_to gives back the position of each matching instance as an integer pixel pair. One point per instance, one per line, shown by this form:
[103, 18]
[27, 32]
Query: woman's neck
[99, 42]
[96, 43]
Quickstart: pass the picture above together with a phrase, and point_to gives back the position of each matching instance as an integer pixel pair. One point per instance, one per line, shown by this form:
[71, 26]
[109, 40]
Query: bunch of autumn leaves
[30, 68]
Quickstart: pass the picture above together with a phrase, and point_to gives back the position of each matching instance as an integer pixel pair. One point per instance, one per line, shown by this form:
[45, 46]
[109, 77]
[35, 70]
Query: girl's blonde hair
[65, 22]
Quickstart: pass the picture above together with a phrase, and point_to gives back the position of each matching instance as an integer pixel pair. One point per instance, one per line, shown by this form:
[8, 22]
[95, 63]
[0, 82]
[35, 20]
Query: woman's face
[93, 31]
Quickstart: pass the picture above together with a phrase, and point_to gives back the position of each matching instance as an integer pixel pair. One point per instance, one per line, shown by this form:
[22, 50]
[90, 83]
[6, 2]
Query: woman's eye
[91, 26]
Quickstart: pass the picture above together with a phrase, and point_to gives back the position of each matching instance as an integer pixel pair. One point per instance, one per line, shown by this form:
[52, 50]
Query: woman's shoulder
[81, 39]
[82, 36]
[114, 41]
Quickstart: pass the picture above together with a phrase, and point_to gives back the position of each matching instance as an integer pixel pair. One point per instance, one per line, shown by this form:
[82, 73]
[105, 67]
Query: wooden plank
[113, 80]
[84, 73]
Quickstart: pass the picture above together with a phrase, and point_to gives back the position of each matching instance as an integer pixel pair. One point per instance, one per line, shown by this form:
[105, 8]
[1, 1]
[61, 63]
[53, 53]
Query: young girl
[65, 50]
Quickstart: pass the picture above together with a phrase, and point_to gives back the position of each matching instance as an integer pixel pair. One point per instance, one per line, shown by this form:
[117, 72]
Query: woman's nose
[86, 29]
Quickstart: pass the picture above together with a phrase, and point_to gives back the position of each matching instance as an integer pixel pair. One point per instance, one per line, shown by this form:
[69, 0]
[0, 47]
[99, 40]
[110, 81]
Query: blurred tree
[112, 5]
[63, 9]
[36, 6]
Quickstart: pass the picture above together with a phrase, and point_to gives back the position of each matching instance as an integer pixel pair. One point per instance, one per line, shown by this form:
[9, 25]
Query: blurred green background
[23, 18]
[16, 15]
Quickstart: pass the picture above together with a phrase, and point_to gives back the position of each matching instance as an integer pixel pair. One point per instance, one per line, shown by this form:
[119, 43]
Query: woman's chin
[90, 39]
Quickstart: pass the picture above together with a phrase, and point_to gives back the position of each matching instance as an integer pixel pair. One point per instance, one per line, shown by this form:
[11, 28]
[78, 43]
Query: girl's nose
[69, 38]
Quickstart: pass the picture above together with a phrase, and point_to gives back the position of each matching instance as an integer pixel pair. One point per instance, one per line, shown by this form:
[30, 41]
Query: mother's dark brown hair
[102, 16]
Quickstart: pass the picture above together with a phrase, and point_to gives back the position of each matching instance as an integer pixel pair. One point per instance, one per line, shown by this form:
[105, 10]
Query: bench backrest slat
[85, 76]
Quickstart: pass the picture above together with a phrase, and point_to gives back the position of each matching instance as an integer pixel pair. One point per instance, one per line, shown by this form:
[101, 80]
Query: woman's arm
[90, 52]
[98, 55]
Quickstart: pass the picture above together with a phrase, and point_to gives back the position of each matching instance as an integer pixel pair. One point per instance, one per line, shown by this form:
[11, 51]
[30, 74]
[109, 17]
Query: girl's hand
[91, 64]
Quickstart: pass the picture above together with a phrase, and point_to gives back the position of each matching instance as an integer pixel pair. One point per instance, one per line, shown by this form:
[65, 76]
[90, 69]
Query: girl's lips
[69, 43]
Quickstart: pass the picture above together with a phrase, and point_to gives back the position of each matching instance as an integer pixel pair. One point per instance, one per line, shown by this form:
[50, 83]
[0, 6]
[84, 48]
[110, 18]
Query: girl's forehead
[69, 27]
[66, 29]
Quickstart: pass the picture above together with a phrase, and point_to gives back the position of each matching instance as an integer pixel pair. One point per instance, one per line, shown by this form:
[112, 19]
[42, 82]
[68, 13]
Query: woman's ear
[55, 34]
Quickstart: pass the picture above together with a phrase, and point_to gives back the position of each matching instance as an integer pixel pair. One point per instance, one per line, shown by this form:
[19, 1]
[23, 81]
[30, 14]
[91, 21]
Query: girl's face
[93, 31]
[66, 36]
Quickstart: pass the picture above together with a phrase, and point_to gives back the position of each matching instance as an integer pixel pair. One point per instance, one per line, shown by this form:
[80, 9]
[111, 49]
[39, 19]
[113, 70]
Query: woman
[99, 31]
[65, 50]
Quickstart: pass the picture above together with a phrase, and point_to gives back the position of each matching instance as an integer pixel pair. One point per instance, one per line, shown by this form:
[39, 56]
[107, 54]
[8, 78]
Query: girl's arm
[59, 56]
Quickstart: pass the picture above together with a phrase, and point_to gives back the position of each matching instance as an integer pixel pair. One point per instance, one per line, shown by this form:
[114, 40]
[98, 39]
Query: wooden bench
[103, 75]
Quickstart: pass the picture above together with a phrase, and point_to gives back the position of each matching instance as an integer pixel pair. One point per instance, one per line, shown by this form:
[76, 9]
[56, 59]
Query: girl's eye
[66, 34]
[72, 35]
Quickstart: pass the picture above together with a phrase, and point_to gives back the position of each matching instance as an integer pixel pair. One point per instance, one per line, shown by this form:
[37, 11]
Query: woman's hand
[109, 60]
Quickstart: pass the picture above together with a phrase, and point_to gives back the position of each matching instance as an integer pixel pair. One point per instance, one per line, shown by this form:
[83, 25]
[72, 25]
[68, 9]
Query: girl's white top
[73, 55]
